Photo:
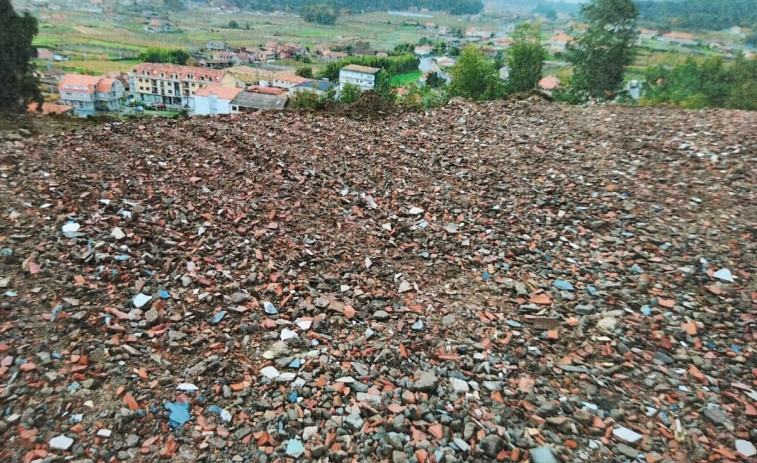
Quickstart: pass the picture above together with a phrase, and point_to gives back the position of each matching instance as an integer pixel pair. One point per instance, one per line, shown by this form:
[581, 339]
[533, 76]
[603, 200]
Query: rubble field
[508, 281]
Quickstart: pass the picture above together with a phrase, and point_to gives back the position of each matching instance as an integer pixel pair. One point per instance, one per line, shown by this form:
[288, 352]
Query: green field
[403, 79]
[91, 39]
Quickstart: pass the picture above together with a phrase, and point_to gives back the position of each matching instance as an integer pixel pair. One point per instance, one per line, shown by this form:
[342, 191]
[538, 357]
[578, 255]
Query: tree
[19, 86]
[320, 14]
[350, 93]
[382, 86]
[605, 49]
[159, 55]
[434, 80]
[233, 24]
[474, 77]
[525, 58]
[304, 71]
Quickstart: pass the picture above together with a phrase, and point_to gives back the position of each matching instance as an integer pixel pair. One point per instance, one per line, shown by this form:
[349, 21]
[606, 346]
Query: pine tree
[602, 53]
[19, 86]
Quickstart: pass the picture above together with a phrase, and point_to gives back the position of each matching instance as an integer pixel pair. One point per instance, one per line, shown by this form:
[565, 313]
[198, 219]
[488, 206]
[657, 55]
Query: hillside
[510, 281]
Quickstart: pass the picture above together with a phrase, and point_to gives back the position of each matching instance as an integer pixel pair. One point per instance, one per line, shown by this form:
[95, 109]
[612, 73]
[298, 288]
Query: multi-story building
[170, 84]
[355, 74]
[90, 94]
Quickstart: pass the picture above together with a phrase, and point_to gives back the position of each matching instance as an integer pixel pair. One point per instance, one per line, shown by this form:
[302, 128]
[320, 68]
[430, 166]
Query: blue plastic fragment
[163, 294]
[710, 344]
[217, 317]
[563, 285]
[11, 294]
[295, 448]
[295, 363]
[6, 252]
[646, 310]
[149, 272]
[736, 349]
[486, 275]
[591, 289]
[214, 409]
[56, 355]
[122, 257]
[636, 269]
[73, 387]
[293, 397]
[179, 413]
[56, 311]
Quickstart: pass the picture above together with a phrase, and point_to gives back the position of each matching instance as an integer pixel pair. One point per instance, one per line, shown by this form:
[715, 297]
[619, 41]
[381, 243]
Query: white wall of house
[207, 105]
[363, 80]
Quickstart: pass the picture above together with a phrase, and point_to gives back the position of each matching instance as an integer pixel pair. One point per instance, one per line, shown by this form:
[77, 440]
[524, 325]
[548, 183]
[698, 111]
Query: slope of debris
[513, 281]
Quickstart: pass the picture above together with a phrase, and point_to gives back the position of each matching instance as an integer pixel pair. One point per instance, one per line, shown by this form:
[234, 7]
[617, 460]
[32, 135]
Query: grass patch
[403, 79]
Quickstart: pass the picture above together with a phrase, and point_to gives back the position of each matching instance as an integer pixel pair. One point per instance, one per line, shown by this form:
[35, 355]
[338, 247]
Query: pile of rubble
[512, 281]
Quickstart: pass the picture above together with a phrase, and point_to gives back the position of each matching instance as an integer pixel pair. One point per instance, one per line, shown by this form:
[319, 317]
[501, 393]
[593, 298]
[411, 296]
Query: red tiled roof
[78, 83]
[49, 108]
[224, 93]
[266, 90]
[562, 38]
[211, 75]
[105, 85]
[679, 36]
[549, 83]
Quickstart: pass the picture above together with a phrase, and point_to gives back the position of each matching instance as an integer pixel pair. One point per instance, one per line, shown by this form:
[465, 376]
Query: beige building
[170, 84]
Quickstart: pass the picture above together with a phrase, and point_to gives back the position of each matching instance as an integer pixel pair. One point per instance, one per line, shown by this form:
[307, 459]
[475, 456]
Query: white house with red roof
[214, 99]
[90, 94]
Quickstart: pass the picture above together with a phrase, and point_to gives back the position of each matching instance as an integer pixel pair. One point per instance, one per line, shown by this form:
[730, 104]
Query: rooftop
[359, 68]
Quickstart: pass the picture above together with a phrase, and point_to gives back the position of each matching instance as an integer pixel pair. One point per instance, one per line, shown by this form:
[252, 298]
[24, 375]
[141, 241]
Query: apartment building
[170, 84]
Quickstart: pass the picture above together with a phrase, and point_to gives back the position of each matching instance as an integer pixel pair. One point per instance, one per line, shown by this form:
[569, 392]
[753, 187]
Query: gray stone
[174, 335]
[241, 433]
[492, 445]
[459, 385]
[716, 415]
[152, 315]
[399, 457]
[132, 440]
[547, 409]
[380, 315]
[426, 383]
[354, 420]
[627, 450]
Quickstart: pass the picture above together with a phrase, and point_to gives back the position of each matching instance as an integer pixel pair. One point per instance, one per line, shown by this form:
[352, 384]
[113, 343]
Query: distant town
[228, 77]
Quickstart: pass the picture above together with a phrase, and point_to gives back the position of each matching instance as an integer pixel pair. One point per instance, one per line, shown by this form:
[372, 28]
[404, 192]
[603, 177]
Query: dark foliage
[18, 84]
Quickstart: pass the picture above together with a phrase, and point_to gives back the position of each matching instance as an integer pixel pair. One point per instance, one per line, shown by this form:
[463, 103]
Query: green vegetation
[474, 77]
[701, 14]
[602, 53]
[401, 80]
[320, 14]
[19, 86]
[357, 6]
[393, 65]
[304, 71]
[156, 55]
[350, 93]
[423, 97]
[525, 58]
[710, 84]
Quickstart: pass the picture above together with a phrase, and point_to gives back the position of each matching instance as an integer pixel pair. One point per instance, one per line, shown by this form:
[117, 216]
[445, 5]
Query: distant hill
[701, 14]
